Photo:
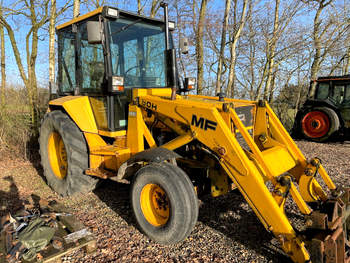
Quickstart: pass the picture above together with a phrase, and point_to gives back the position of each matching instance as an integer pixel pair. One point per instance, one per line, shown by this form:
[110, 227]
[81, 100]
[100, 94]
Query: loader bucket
[328, 230]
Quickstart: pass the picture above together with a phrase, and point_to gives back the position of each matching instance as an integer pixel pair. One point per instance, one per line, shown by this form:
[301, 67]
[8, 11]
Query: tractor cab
[334, 90]
[106, 53]
[327, 112]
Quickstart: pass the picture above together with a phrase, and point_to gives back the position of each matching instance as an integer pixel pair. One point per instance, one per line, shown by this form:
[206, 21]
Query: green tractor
[326, 114]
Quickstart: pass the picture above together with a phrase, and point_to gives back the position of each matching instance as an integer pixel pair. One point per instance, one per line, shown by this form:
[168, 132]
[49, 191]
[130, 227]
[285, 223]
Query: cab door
[109, 109]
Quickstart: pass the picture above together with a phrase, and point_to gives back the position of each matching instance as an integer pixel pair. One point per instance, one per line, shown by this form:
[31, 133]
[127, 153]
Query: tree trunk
[346, 62]
[271, 52]
[154, 8]
[199, 46]
[318, 45]
[139, 8]
[52, 24]
[76, 8]
[3, 72]
[233, 45]
[222, 47]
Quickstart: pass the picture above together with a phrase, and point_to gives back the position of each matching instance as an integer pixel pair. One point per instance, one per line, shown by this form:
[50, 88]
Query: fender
[79, 109]
[156, 155]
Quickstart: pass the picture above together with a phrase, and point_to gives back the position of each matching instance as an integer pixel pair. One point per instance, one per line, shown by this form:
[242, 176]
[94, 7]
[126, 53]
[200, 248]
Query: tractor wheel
[164, 202]
[64, 155]
[319, 124]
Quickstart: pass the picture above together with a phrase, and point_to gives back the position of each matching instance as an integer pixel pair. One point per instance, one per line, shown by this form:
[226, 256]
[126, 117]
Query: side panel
[79, 109]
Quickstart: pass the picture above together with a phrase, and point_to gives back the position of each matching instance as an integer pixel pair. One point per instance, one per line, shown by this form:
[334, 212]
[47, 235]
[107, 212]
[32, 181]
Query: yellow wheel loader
[123, 114]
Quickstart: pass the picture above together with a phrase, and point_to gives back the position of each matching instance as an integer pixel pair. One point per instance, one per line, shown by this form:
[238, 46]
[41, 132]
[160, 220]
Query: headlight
[111, 12]
[171, 25]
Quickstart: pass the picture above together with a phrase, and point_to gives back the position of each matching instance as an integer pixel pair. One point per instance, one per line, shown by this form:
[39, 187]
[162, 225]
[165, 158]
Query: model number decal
[149, 105]
[203, 123]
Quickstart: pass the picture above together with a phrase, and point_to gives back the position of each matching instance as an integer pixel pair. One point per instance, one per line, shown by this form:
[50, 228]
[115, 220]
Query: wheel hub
[155, 205]
[57, 155]
[315, 124]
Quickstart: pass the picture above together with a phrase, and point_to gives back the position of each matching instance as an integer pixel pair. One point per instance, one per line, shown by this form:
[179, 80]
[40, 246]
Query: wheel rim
[315, 124]
[57, 155]
[155, 205]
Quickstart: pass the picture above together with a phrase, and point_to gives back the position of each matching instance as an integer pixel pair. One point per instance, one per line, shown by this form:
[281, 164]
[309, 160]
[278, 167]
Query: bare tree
[155, 5]
[222, 46]
[235, 35]
[3, 71]
[52, 23]
[76, 8]
[37, 20]
[326, 32]
[199, 31]
[271, 51]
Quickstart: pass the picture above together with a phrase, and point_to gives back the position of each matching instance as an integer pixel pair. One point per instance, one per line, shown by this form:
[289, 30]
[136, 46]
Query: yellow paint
[219, 182]
[103, 155]
[155, 205]
[79, 109]
[80, 18]
[57, 155]
[278, 160]
[135, 130]
[178, 142]
[112, 134]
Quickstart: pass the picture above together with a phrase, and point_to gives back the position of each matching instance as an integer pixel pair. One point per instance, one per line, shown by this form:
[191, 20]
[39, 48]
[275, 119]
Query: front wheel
[164, 202]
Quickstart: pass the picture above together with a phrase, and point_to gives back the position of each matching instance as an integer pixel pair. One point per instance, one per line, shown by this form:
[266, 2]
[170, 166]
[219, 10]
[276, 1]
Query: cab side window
[91, 62]
[338, 93]
[66, 60]
[322, 91]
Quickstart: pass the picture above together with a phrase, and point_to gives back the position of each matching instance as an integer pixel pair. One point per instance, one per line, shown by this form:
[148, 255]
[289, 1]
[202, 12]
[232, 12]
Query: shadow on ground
[116, 197]
[244, 229]
[10, 200]
[229, 215]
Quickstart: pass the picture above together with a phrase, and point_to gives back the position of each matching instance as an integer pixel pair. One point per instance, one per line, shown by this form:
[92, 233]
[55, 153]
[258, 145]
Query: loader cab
[107, 53]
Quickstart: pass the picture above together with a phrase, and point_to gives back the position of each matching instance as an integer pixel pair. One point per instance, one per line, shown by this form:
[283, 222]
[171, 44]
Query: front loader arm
[271, 156]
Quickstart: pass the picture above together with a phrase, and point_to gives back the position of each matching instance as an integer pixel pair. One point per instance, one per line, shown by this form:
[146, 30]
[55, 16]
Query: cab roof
[103, 10]
[328, 78]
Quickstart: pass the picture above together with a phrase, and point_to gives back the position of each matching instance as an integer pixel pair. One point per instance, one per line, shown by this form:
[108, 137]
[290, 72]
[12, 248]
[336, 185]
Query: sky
[21, 27]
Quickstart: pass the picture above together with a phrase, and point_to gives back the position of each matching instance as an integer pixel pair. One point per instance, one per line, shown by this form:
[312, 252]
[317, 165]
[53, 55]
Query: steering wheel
[127, 71]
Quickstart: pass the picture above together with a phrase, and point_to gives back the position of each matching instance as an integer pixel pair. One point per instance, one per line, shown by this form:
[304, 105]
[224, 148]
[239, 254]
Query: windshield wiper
[126, 27]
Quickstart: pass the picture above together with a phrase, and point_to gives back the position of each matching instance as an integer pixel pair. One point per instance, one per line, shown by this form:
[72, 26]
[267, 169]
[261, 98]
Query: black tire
[75, 181]
[181, 195]
[333, 127]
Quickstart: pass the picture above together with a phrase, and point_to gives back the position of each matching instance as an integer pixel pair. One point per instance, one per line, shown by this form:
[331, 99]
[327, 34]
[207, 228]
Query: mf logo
[202, 123]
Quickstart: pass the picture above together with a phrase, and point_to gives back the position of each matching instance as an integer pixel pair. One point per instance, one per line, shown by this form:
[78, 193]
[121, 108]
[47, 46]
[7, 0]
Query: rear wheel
[164, 202]
[319, 124]
[64, 155]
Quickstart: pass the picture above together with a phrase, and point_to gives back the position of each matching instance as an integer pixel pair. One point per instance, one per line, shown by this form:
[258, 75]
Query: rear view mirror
[184, 45]
[94, 32]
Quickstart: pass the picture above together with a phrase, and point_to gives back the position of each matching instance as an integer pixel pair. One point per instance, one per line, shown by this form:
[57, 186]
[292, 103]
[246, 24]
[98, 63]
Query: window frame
[60, 69]
[318, 88]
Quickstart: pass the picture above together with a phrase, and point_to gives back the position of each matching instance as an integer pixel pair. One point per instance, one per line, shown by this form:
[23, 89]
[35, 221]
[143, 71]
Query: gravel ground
[227, 229]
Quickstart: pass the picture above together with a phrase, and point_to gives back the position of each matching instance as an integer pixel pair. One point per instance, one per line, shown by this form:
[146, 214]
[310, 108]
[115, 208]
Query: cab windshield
[137, 51]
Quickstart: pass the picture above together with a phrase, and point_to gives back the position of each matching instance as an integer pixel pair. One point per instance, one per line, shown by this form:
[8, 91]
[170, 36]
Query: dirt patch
[227, 230]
